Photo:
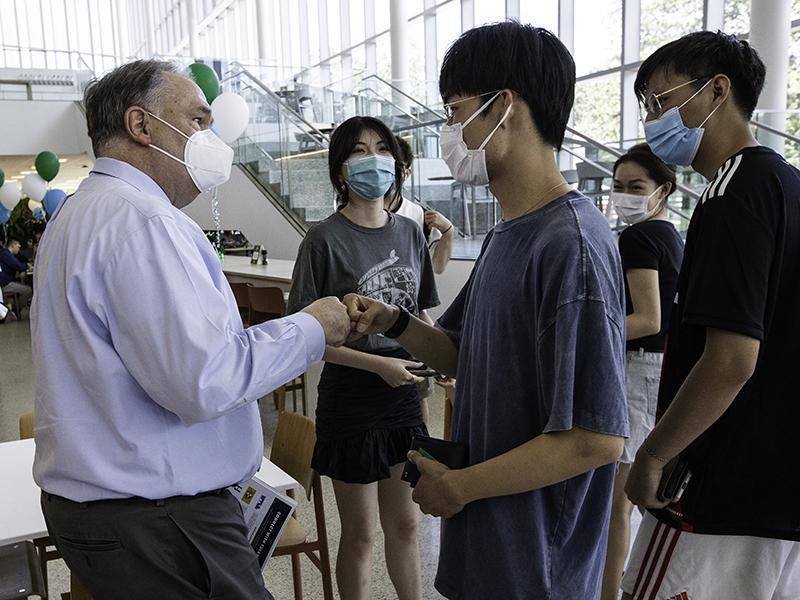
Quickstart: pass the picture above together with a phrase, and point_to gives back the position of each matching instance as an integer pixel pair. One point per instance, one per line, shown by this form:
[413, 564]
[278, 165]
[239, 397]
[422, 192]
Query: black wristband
[448, 229]
[400, 325]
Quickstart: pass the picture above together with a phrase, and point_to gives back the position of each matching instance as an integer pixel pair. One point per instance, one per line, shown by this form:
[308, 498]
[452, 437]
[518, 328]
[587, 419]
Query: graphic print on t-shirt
[391, 283]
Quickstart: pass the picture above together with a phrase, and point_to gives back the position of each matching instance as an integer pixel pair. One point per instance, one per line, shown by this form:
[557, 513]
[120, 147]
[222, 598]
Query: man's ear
[138, 125]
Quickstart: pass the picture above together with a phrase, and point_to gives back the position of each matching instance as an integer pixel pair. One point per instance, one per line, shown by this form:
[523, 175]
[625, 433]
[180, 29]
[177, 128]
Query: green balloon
[47, 165]
[2, 178]
[205, 77]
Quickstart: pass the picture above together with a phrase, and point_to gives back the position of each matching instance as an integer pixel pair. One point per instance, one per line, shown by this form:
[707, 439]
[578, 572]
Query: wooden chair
[242, 300]
[20, 572]
[267, 303]
[11, 300]
[292, 450]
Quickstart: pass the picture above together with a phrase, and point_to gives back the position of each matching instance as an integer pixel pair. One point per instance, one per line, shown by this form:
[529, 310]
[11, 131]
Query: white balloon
[10, 194]
[34, 187]
[231, 116]
[33, 205]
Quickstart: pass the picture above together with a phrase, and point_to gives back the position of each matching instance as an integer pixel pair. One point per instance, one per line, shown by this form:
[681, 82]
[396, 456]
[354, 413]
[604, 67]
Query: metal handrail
[775, 131]
[278, 99]
[400, 108]
[402, 93]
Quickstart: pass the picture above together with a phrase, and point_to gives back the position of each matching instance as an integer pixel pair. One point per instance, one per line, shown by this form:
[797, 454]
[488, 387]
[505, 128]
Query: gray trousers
[25, 292]
[181, 548]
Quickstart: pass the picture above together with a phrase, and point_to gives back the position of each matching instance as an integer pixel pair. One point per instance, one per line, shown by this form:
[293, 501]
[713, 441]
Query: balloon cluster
[230, 112]
[34, 185]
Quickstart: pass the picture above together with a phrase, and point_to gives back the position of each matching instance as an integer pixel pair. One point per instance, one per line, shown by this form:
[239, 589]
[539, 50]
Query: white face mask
[206, 157]
[633, 208]
[466, 165]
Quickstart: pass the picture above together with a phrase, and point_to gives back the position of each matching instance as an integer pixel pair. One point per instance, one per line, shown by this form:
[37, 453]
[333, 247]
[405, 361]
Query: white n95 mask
[466, 165]
[206, 157]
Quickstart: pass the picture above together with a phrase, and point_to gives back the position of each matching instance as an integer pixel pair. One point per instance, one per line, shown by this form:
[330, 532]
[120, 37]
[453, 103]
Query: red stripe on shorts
[646, 559]
[665, 563]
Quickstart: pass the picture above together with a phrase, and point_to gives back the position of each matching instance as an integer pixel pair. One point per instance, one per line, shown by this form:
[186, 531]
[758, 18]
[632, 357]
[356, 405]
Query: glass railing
[780, 130]
[286, 154]
[285, 149]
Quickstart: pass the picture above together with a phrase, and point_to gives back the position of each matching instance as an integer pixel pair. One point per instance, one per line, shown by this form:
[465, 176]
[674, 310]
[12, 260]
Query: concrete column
[713, 14]
[629, 110]
[770, 24]
[191, 27]
[398, 33]
[566, 33]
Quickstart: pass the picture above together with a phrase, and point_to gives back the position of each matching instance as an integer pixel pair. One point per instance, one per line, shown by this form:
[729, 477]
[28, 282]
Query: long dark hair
[657, 169]
[344, 139]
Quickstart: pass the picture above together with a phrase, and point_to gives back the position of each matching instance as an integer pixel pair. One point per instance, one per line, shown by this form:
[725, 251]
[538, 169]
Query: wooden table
[21, 515]
[277, 273]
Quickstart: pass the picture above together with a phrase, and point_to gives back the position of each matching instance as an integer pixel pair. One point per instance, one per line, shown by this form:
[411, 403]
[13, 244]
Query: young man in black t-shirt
[728, 403]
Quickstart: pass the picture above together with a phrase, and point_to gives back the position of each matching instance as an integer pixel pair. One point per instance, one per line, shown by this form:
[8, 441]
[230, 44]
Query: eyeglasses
[448, 108]
[652, 105]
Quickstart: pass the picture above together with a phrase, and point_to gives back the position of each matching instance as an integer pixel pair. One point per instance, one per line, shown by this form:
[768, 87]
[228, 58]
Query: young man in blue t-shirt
[536, 338]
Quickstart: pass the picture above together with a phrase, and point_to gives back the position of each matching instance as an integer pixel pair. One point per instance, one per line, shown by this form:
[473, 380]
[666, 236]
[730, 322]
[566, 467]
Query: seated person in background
[437, 229]
[11, 265]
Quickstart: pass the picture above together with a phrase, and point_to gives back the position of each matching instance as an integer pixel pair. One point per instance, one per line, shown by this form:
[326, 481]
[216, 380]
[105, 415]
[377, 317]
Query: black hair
[11, 240]
[406, 152]
[704, 54]
[657, 169]
[344, 139]
[529, 60]
[137, 83]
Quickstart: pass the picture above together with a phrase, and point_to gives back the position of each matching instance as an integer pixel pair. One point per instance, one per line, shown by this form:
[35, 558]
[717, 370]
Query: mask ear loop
[481, 109]
[489, 137]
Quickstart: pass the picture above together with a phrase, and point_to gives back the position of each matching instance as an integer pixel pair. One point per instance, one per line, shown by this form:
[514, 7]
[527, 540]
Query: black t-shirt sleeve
[731, 262]
[637, 250]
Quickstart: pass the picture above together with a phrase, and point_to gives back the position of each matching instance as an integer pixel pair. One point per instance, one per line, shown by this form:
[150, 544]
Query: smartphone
[423, 371]
[675, 479]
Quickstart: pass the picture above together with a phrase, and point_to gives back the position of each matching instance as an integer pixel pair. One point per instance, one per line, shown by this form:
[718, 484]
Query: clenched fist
[333, 317]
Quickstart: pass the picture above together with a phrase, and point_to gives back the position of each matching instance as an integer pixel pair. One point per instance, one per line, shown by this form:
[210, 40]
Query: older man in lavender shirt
[146, 378]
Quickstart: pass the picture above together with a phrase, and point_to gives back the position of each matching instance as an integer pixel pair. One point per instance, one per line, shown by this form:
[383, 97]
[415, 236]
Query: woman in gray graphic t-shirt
[368, 406]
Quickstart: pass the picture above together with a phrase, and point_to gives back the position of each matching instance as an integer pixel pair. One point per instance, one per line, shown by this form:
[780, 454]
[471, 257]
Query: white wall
[243, 206]
[30, 126]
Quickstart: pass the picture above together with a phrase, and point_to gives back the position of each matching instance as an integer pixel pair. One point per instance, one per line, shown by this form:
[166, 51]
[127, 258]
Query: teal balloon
[47, 165]
[2, 178]
[206, 79]
[52, 199]
[5, 215]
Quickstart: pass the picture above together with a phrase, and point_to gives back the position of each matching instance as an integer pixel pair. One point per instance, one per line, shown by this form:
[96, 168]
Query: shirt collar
[130, 175]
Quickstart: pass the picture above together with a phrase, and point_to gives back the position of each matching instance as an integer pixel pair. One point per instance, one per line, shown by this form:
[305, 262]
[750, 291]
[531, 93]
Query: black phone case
[451, 454]
[675, 478]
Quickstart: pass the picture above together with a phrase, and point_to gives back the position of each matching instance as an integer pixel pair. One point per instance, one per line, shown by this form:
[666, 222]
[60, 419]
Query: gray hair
[137, 83]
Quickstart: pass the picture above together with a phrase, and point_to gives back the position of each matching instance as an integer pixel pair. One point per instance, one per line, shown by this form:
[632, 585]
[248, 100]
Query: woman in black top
[651, 251]
[368, 406]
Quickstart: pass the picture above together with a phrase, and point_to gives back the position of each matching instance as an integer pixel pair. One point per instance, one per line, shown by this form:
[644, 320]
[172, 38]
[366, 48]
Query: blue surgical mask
[371, 176]
[671, 140]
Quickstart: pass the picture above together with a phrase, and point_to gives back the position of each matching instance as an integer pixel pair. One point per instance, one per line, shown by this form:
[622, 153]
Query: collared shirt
[145, 376]
[10, 265]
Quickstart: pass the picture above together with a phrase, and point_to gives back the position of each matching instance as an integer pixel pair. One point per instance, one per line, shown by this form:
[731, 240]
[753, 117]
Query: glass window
[334, 30]
[664, 21]
[448, 28]
[737, 16]
[543, 13]
[384, 56]
[382, 15]
[313, 32]
[597, 108]
[489, 11]
[416, 58]
[598, 35]
[357, 31]
[294, 27]
[792, 150]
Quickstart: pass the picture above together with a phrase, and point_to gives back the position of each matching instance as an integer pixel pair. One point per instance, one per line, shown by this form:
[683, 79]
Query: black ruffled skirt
[364, 426]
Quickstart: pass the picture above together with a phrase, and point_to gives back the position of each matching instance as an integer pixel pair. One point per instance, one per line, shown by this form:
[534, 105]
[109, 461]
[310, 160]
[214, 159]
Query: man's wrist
[460, 485]
[652, 455]
[399, 323]
[448, 230]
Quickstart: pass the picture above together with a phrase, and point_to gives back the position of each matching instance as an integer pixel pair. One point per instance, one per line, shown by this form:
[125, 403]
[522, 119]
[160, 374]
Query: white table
[21, 516]
[277, 273]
